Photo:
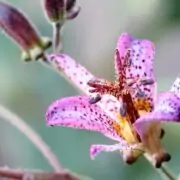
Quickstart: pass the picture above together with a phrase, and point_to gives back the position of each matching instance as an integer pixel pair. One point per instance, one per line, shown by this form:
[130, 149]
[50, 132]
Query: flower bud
[18, 28]
[60, 10]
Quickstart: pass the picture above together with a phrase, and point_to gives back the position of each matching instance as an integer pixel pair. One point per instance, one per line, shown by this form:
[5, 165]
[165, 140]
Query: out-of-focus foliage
[28, 89]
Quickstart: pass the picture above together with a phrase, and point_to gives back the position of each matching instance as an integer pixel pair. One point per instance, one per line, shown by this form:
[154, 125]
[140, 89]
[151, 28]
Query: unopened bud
[18, 28]
[60, 10]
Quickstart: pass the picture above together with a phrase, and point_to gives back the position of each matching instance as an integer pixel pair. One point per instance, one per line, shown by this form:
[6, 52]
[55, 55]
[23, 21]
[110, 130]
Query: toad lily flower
[116, 106]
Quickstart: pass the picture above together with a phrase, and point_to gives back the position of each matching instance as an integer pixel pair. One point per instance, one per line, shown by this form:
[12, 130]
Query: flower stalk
[28, 175]
[167, 173]
[20, 124]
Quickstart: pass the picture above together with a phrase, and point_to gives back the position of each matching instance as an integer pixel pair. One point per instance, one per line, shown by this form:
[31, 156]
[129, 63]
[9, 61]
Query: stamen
[140, 94]
[123, 109]
[147, 82]
[131, 82]
[123, 89]
[95, 99]
[102, 87]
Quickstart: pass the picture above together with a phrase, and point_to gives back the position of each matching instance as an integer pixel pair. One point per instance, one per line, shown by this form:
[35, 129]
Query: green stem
[57, 40]
[165, 171]
[34, 137]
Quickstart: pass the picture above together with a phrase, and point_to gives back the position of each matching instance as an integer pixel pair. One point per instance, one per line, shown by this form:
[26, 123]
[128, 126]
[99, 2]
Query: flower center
[122, 90]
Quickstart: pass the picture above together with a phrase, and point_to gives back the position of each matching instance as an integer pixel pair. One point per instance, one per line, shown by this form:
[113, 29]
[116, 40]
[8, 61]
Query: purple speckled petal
[142, 54]
[167, 109]
[79, 76]
[76, 112]
[75, 73]
[176, 86]
[98, 148]
[110, 105]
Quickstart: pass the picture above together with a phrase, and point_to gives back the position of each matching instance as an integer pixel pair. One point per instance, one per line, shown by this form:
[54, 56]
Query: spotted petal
[96, 149]
[141, 61]
[79, 76]
[76, 73]
[76, 112]
[176, 86]
[167, 109]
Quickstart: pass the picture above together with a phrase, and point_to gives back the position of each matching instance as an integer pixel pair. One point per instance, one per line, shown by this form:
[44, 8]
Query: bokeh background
[28, 89]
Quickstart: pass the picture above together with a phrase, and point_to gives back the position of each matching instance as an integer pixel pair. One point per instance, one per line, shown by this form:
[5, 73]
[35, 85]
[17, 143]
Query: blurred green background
[28, 89]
